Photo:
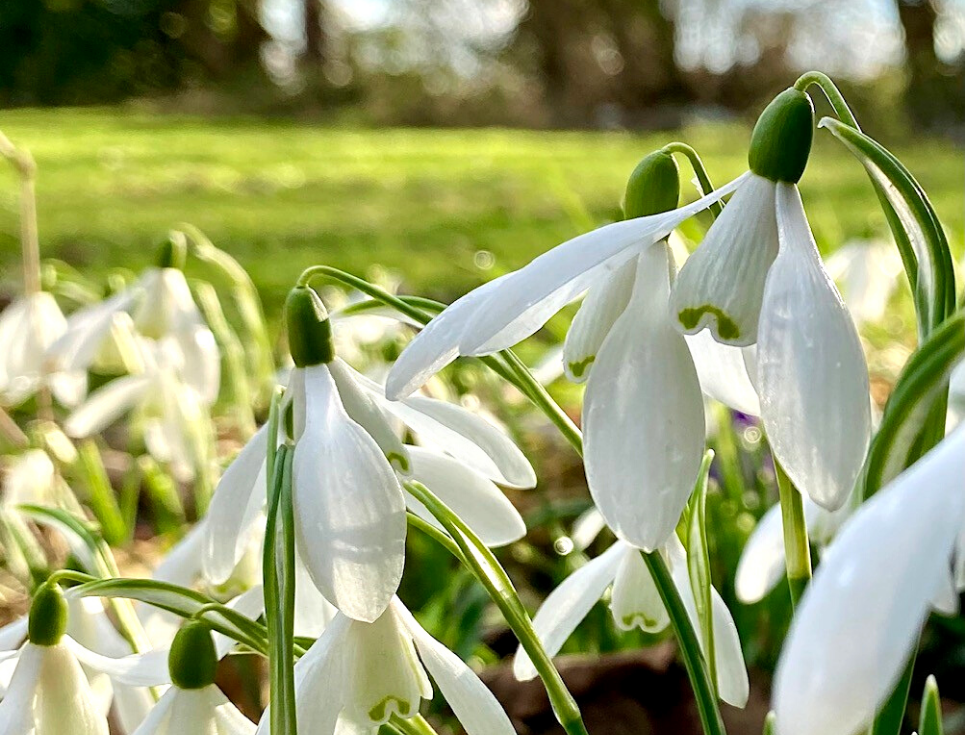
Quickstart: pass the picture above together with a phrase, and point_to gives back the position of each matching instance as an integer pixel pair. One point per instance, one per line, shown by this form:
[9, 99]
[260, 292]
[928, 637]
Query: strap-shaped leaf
[930, 722]
[918, 396]
[917, 231]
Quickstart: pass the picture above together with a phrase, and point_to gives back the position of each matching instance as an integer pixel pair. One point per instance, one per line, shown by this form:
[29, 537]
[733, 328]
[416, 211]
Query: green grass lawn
[426, 204]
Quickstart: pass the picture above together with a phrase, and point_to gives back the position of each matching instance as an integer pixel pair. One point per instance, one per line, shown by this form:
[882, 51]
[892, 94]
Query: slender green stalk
[831, 91]
[493, 577]
[698, 565]
[797, 547]
[100, 494]
[689, 644]
[412, 725]
[26, 169]
[699, 171]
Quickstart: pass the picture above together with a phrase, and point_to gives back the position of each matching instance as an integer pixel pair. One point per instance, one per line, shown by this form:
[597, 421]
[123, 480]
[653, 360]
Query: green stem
[412, 725]
[689, 644]
[797, 547]
[699, 171]
[831, 91]
[493, 577]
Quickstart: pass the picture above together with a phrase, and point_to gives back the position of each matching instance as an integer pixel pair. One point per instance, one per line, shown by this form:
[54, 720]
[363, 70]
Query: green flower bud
[781, 141]
[309, 330]
[193, 660]
[48, 616]
[653, 187]
[173, 252]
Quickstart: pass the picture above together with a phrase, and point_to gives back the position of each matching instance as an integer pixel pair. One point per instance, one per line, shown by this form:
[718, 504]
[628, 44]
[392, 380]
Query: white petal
[604, 303]
[64, 701]
[721, 285]
[468, 437]
[586, 528]
[364, 410]
[237, 502]
[313, 613]
[723, 372]
[320, 684]
[761, 565]
[643, 416]
[86, 331]
[436, 345]
[136, 669]
[107, 404]
[16, 710]
[568, 604]
[132, 706]
[863, 611]
[182, 563]
[468, 494]
[812, 375]
[868, 273]
[732, 682]
[474, 705]
[13, 634]
[158, 721]
[202, 361]
[531, 295]
[349, 509]
[635, 600]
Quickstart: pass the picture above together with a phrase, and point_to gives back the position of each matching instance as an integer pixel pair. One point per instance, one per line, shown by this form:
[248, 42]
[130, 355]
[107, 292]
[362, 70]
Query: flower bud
[781, 141]
[309, 330]
[173, 252]
[653, 187]
[193, 660]
[48, 616]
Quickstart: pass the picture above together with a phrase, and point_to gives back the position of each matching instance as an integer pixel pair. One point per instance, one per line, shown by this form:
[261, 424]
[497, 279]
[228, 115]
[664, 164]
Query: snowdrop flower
[867, 271]
[635, 603]
[173, 414]
[193, 705]
[862, 613]
[48, 693]
[31, 479]
[163, 310]
[762, 563]
[640, 364]
[350, 521]
[28, 327]
[358, 675]
[758, 278]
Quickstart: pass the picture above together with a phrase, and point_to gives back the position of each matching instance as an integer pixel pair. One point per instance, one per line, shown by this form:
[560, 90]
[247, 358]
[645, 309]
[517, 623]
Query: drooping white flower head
[48, 692]
[862, 614]
[635, 603]
[162, 309]
[348, 466]
[28, 327]
[358, 675]
[758, 278]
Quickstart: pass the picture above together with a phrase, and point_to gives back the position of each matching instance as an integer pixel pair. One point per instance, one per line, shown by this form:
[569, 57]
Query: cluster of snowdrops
[300, 545]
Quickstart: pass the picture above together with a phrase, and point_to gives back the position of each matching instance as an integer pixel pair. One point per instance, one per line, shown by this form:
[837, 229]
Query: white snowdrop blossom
[163, 310]
[862, 613]
[635, 603]
[867, 272]
[171, 412]
[348, 497]
[757, 278]
[28, 327]
[358, 675]
[31, 479]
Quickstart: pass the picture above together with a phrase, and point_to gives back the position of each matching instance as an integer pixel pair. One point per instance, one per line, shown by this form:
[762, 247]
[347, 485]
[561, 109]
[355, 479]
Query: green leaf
[917, 231]
[930, 722]
[82, 538]
[698, 564]
[906, 431]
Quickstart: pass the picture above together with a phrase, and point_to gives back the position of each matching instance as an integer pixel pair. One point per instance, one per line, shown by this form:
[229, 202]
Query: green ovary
[726, 327]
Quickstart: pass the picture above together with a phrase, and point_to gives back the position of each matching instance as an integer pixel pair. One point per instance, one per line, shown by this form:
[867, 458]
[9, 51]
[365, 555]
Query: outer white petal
[136, 669]
[762, 563]
[568, 604]
[16, 710]
[363, 408]
[320, 685]
[436, 345]
[721, 285]
[813, 378]
[468, 437]
[13, 634]
[474, 705]
[64, 702]
[158, 721]
[237, 502]
[604, 303]
[531, 295]
[349, 509]
[587, 527]
[86, 331]
[182, 563]
[313, 613]
[868, 274]
[643, 416]
[862, 613]
[469, 494]
[723, 372]
[107, 404]
[202, 361]
[635, 600]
